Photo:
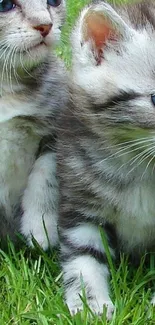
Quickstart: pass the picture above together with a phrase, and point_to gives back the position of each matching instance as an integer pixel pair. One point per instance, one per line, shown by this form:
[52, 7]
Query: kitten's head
[114, 63]
[28, 28]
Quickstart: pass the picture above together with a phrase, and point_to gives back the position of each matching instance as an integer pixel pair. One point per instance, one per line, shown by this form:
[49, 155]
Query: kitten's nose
[43, 29]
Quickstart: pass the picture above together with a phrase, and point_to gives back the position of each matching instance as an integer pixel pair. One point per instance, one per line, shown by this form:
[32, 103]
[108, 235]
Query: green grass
[73, 8]
[31, 282]
[31, 292]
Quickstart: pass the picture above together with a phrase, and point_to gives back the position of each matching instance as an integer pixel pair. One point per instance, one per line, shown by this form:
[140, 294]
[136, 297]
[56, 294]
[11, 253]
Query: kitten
[106, 148]
[33, 90]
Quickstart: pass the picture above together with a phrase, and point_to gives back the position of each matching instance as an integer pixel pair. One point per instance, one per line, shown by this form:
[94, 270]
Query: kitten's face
[115, 64]
[28, 28]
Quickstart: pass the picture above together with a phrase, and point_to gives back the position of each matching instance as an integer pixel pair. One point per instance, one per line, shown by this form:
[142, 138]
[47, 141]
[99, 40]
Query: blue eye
[6, 5]
[153, 99]
[54, 3]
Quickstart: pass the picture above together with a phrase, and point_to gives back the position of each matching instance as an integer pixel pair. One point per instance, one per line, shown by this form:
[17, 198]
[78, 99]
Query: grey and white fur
[106, 151]
[33, 90]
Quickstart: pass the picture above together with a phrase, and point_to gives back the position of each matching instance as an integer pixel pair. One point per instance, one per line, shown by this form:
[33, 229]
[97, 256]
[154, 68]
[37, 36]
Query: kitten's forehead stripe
[121, 97]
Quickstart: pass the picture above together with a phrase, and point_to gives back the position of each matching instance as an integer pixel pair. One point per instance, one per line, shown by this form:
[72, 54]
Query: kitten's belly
[135, 222]
[18, 146]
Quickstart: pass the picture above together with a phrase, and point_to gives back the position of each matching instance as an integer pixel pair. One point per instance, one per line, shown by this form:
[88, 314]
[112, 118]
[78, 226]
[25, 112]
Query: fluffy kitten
[33, 90]
[107, 147]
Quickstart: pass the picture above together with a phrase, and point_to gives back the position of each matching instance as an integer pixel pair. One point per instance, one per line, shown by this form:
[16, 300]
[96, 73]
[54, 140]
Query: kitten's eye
[6, 5]
[54, 3]
[153, 99]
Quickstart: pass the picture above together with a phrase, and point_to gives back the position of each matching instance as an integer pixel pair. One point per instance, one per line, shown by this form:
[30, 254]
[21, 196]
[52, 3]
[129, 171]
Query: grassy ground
[31, 290]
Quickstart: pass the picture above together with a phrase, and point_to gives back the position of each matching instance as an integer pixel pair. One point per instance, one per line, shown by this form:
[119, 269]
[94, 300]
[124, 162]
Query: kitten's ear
[102, 25]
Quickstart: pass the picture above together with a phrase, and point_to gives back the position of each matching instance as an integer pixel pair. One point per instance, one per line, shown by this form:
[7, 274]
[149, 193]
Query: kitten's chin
[31, 59]
[36, 53]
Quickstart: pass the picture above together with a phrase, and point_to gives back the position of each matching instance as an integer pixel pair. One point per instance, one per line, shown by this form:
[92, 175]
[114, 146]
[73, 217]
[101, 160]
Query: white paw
[43, 229]
[96, 306]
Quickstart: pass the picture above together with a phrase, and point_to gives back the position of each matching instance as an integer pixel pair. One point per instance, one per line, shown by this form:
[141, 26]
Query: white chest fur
[18, 146]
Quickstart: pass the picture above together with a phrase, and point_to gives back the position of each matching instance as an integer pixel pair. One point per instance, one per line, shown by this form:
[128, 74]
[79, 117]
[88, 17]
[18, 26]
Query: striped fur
[106, 149]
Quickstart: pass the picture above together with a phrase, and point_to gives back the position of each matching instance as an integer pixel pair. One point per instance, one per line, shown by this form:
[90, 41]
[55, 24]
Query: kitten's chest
[18, 147]
[135, 222]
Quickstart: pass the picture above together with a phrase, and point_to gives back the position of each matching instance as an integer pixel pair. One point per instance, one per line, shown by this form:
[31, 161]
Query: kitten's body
[33, 91]
[106, 153]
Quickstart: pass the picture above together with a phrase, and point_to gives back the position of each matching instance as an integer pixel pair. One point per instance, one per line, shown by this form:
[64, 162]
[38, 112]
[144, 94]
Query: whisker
[153, 169]
[144, 155]
[11, 66]
[133, 159]
[148, 164]
[17, 77]
[3, 69]
[123, 151]
[22, 64]
[132, 142]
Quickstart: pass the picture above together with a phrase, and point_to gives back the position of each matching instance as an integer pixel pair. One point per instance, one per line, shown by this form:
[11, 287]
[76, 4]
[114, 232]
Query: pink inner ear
[98, 28]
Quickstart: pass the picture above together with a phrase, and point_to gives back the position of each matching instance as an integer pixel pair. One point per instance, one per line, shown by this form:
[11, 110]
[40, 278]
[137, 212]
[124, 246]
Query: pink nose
[43, 29]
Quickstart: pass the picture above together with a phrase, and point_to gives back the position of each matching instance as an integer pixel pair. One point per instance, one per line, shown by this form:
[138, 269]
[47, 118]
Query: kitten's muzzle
[44, 29]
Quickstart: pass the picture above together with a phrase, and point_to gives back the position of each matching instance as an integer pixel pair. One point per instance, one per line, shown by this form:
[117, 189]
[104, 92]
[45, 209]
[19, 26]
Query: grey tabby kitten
[33, 90]
[106, 148]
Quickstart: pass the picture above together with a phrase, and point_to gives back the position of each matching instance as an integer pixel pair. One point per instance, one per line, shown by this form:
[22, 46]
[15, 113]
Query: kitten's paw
[96, 306]
[44, 230]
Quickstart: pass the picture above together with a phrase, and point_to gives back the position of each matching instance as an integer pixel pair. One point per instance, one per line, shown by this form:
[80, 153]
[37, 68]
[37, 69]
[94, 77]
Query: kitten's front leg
[40, 203]
[84, 264]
